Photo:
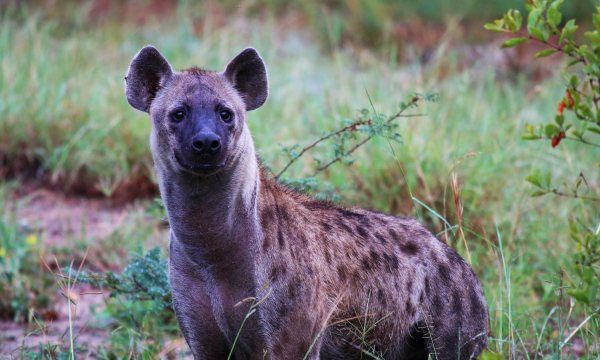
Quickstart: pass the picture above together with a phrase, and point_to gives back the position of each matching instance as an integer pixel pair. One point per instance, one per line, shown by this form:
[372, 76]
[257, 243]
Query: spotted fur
[331, 282]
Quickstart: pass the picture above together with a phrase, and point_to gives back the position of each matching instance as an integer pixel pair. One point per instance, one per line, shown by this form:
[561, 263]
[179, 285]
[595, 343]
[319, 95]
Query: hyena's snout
[206, 143]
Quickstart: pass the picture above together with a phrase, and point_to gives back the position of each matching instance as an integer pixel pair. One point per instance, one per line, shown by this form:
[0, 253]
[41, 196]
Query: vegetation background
[83, 238]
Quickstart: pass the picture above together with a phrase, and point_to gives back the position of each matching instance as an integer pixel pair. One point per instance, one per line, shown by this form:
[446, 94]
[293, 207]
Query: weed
[24, 285]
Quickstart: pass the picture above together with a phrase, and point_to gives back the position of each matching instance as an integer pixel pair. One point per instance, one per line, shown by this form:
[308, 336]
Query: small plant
[139, 306]
[144, 279]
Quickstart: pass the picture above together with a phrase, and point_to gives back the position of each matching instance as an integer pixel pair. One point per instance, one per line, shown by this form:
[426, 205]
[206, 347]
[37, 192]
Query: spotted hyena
[313, 279]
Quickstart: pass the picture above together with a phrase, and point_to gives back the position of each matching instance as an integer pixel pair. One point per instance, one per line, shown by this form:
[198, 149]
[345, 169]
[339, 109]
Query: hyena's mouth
[198, 169]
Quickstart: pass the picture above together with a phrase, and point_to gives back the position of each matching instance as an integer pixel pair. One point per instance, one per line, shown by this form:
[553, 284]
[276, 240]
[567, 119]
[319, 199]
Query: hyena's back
[384, 285]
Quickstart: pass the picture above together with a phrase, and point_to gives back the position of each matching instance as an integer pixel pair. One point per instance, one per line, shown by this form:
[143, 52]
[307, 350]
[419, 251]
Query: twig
[574, 195]
[352, 127]
[583, 141]
[560, 49]
[353, 149]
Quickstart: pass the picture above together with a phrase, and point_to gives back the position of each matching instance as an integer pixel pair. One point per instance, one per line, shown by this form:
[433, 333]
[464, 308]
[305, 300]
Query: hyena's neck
[216, 218]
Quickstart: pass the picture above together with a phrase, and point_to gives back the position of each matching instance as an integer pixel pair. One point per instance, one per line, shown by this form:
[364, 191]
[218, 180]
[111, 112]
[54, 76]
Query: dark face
[198, 116]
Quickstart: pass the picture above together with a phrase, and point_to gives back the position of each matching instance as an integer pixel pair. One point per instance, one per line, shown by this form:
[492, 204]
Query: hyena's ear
[148, 71]
[248, 75]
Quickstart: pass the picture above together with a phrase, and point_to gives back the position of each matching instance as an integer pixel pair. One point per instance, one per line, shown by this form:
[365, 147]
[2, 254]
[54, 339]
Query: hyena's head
[198, 116]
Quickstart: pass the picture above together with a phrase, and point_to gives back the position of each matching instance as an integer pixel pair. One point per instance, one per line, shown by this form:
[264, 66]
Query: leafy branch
[369, 122]
[542, 181]
[581, 98]
[352, 127]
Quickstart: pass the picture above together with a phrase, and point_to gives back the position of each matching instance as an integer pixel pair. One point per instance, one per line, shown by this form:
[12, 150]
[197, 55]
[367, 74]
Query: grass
[65, 122]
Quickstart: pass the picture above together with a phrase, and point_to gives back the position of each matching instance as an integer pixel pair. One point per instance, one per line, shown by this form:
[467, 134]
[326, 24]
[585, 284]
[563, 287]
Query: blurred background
[78, 190]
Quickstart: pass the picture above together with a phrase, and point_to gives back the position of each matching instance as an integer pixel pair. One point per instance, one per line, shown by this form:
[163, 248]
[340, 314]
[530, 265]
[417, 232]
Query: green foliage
[46, 351]
[585, 287]
[139, 308]
[144, 278]
[578, 119]
[582, 119]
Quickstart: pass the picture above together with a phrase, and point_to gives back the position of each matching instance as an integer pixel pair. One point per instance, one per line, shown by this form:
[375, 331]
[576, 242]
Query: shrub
[577, 119]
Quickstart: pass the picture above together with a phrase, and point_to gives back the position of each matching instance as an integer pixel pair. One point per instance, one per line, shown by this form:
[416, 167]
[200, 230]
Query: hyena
[324, 281]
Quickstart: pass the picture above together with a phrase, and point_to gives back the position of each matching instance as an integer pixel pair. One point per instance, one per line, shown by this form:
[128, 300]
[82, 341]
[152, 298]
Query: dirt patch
[60, 217]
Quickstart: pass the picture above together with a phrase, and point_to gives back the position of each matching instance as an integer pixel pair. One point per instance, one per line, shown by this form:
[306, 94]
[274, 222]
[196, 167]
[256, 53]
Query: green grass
[63, 113]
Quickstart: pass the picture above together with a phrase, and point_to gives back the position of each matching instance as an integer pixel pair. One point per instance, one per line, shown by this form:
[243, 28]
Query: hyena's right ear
[148, 71]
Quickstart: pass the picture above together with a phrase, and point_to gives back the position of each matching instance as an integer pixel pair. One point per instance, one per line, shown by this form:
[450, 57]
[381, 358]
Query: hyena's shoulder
[322, 229]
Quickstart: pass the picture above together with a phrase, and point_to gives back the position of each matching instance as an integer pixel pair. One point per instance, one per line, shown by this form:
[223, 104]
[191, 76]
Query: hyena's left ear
[247, 73]
[148, 72]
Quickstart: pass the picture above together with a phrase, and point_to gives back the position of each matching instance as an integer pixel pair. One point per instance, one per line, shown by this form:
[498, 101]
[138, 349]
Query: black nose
[206, 143]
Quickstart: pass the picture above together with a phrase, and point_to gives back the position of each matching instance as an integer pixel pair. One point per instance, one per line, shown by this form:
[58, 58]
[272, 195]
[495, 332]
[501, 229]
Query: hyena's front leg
[194, 313]
[199, 327]
[296, 327]
[295, 339]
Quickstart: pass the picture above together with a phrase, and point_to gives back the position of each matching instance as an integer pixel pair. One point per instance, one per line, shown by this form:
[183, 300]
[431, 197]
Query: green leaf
[553, 14]
[513, 20]
[535, 179]
[530, 128]
[536, 28]
[551, 130]
[560, 120]
[568, 31]
[530, 137]
[546, 179]
[532, 18]
[514, 42]
[574, 81]
[580, 295]
[544, 53]
[593, 37]
[497, 25]
[539, 193]
[538, 34]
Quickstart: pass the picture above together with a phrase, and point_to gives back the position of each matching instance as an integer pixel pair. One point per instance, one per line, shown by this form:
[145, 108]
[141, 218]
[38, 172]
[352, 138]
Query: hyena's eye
[226, 115]
[177, 115]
